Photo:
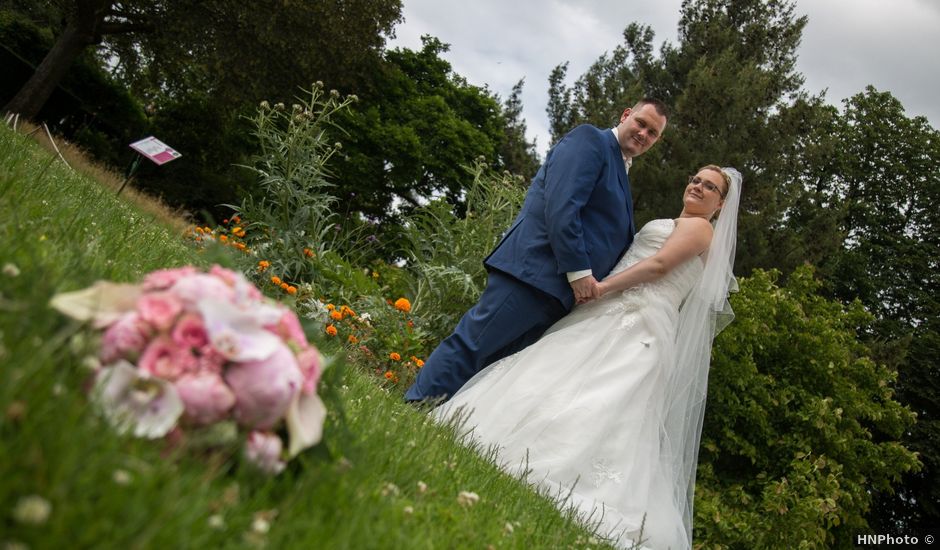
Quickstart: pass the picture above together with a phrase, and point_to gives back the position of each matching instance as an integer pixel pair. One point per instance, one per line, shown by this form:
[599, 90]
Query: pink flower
[164, 359]
[264, 388]
[263, 449]
[147, 407]
[244, 290]
[206, 397]
[190, 332]
[238, 333]
[125, 338]
[210, 360]
[288, 328]
[160, 309]
[200, 286]
[310, 364]
[165, 278]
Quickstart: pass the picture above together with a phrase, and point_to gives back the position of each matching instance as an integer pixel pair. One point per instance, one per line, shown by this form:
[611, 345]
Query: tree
[788, 457]
[411, 139]
[880, 185]
[237, 51]
[517, 155]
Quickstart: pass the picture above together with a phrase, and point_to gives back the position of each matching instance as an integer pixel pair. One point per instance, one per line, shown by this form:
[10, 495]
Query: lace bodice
[673, 287]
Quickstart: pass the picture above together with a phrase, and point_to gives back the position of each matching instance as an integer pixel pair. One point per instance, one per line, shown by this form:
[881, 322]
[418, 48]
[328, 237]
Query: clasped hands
[586, 289]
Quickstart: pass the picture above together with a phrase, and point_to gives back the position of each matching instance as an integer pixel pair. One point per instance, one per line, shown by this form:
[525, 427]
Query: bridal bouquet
[187, 350]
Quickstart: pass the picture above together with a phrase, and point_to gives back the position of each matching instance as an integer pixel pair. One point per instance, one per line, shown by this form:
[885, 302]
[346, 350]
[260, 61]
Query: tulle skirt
[581, 410]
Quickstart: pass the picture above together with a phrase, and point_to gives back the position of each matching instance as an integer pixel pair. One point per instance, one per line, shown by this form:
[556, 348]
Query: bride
[605, 410]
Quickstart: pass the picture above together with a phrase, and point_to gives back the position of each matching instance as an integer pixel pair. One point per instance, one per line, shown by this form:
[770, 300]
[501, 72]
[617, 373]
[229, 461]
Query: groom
[576, 222]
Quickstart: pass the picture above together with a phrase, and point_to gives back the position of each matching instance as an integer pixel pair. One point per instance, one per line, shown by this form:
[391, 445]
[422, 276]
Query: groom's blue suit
[577, 215]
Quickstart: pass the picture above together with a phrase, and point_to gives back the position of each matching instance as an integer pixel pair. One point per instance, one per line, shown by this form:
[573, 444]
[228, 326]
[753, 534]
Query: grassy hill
[385, 477]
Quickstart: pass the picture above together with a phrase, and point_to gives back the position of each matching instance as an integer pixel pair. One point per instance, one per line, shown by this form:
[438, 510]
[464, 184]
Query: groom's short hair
[657, 104]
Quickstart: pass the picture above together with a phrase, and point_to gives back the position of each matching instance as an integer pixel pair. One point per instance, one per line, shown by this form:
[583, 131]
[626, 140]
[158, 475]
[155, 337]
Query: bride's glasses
[695, 180]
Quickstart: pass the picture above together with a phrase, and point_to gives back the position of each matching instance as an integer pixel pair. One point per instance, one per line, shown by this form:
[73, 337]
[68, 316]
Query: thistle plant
[444, 252]
[290, 219]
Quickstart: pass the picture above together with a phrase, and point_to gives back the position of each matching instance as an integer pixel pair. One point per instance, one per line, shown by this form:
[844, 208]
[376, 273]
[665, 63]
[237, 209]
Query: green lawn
[385, 477]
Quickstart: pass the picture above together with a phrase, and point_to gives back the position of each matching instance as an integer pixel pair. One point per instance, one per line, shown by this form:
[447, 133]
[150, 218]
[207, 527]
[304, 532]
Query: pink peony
[164, 359]
[125, 338]
[160, 309]
[264, 450]
[288, 328]
[206, 397]
[190, 332]
[200, 286]
[264, 388]
[244, 290]
[310, 364]
[165, 278]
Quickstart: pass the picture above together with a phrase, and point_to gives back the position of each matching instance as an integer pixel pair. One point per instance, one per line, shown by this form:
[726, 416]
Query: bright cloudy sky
[847, 44]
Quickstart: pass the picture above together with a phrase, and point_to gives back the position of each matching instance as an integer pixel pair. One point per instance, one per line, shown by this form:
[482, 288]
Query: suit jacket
[578, 214]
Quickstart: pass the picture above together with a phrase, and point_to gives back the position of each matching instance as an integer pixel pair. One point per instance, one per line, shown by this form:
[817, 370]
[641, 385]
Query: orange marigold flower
[394, 356]
[240, 233]
[236, 219]
[330, 307]
[402, 304]
[411, 324]
[223, 238]
[240, 246]
[389, 375]
[309, 253]
[276, 280]
[284, 286]
[419, 363]
[263, 265]
[352, 339]
[331, 330]
[348, 311]
[336, 315]
[292, 290]
[207, 229]
[199, 230]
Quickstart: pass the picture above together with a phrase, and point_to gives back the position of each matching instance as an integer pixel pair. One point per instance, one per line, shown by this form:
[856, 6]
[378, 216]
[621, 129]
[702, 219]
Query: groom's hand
[585, 289]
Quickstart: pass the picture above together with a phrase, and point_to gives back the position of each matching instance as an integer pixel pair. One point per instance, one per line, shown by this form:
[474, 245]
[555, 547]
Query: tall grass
[359, 489]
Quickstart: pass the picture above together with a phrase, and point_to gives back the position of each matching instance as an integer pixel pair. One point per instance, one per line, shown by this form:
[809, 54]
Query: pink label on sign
[155, 150]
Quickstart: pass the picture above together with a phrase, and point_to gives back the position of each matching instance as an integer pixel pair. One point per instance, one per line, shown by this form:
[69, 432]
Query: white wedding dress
[583, 408]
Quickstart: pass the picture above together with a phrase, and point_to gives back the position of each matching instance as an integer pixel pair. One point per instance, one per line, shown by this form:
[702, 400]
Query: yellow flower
[394, 356]
[330, 307]
[419, 363]
[402, 304]
[331, 330]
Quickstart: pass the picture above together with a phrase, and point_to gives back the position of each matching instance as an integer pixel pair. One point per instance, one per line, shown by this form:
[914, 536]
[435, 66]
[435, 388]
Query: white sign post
[158, 152]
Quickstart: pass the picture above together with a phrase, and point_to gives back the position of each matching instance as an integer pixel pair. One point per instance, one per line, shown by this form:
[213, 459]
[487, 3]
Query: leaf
[102, 303]
[305, 418]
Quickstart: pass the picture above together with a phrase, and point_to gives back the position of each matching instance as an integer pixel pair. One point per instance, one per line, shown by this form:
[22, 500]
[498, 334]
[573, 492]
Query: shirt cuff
[575, 275]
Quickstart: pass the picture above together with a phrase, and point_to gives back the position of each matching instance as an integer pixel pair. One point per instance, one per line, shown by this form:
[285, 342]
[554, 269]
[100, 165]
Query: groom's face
[639, 129]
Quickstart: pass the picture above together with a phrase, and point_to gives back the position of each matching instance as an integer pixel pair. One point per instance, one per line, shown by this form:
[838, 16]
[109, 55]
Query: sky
[847, 44]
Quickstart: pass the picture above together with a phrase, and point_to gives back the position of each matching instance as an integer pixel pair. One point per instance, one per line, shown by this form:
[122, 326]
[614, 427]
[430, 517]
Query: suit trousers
[509, 316]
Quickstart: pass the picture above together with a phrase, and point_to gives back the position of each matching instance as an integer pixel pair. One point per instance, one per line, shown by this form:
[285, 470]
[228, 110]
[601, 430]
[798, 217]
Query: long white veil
[703, 314]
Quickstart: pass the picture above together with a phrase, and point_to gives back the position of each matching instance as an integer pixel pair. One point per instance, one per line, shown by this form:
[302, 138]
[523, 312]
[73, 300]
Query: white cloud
[847, 44]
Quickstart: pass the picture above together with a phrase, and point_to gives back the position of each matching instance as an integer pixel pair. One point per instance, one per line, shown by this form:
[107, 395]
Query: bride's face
[704, 193]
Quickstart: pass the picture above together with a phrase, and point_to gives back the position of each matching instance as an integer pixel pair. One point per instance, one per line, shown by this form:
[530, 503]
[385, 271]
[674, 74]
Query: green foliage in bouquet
[788, 459]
